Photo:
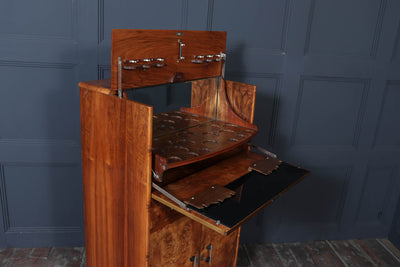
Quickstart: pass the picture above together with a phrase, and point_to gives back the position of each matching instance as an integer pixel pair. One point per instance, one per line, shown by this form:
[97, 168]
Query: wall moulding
[385, 98]
[377, 29]
[365, 83]
[37, 64]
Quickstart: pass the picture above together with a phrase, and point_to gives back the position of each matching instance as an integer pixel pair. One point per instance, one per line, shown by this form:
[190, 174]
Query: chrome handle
[144, 63]
[208, 259]
[181, 45]
[194, 260]
[199, 59]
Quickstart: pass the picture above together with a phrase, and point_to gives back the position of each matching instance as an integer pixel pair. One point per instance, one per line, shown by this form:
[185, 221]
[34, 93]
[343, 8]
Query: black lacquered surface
[253, 191]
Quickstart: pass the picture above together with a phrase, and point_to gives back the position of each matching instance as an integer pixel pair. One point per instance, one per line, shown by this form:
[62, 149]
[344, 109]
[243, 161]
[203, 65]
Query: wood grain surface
[266, 166]
[171, 122]
[212, 195]
[174, 174]
[242, 99]
[207, 139]
[197, 143]
[260, 255]
[310, 254]
[116, 163]
[161, 215]
[319, 253]
[221, 173]
[377, 252]
[204, 96]
[223, 230]
[223, 249]
[175, 243]
[141, 44]
[102, 86]
[230, 109]
[351, 253]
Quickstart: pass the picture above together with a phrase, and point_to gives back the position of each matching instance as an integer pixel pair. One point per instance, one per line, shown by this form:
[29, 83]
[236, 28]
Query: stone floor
[370, 252]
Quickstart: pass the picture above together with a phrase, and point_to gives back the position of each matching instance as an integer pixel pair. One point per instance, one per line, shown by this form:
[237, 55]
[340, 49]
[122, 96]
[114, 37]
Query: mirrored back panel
[179, 106]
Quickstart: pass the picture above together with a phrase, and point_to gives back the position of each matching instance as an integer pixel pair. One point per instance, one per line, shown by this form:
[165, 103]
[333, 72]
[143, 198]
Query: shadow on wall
[394, 235]
[297, 215]
[62, 193]
[318, 200]
[266, 100]
[264, 225]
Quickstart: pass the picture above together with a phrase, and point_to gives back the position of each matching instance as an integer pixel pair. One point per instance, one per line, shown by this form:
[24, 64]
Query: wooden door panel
[218, 250]
[175, 243]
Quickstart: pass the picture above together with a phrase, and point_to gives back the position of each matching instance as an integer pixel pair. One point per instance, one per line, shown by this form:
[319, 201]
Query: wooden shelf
[182, 138]
[221, 173]
[228, 173]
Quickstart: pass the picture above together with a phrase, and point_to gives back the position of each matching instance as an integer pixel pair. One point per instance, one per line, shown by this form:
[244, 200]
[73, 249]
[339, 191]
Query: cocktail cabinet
[169, 170]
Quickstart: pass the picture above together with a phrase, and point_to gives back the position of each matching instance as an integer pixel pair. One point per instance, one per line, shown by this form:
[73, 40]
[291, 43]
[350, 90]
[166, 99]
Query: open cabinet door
[116, 184]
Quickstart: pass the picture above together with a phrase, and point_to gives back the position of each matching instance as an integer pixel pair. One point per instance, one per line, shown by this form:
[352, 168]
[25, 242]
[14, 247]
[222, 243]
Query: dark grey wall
[328, 77]
[40, 183]
[394, 234]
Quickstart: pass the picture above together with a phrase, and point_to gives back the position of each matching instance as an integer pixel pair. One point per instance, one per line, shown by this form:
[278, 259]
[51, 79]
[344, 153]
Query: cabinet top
[153, 57]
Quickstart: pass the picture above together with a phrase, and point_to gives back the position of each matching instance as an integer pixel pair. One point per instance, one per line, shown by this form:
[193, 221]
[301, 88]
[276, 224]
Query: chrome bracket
[168, 195]
[119, 77]
[262, 150]
[223, 60]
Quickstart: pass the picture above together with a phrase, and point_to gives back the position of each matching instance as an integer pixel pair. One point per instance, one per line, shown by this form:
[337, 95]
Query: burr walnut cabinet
[169, 183]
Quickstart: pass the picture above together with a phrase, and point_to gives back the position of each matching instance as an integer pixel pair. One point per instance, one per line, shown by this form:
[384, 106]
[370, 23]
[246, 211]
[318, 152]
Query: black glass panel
[252, 191]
